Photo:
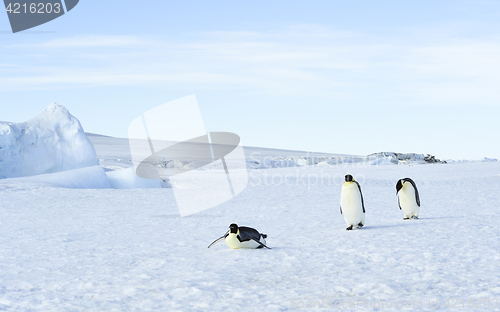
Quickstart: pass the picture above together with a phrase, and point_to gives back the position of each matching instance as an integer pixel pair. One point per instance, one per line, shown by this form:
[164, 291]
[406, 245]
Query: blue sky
[351, 77]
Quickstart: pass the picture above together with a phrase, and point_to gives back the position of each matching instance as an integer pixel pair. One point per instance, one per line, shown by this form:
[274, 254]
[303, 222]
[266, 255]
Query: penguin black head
[348, 178]
[399, 185]
[233, 228]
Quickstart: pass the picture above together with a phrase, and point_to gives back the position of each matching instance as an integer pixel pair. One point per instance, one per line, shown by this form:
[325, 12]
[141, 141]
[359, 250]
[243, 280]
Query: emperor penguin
[352, 205]
[242, 237]
[408, 198]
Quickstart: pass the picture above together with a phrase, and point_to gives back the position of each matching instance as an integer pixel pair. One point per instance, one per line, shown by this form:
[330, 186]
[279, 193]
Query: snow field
[128, 250]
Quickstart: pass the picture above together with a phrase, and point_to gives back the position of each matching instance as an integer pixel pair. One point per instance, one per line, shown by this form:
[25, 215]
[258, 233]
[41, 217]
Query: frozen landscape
[85, 235]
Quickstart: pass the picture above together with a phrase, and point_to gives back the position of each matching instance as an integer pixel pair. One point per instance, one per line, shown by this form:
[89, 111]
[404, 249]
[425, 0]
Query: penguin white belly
[233, 242]
[351, 204]
[407, 201]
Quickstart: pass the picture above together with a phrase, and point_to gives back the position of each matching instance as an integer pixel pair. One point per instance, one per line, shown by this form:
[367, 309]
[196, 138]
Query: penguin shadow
[243, 249]
[219, 250]
[385, 226]
[402, 223]
[430, 218]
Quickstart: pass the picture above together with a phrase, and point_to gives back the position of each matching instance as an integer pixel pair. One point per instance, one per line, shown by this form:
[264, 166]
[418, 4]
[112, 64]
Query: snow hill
[53, 141]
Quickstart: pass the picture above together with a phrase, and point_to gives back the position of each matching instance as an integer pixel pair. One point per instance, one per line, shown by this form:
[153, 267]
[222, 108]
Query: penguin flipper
[261, 244]
[361, 193]
[417, 197]
[340, 209]
[218, 240]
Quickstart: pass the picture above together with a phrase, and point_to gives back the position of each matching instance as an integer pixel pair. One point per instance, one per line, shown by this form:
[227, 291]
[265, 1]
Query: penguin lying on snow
[242, 237]
[352, 205]
[408, 198]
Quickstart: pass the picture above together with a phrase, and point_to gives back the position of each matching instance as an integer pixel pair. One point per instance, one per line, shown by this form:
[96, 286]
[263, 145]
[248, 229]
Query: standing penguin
[242, 237]
[408, 198]
[352, 205]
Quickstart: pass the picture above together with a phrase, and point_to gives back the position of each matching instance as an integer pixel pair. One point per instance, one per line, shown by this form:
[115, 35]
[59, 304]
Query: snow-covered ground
[69, 242]
[67, 249]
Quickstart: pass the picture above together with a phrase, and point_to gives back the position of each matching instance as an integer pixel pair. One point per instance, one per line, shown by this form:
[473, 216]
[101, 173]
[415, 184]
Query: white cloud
[300, 61]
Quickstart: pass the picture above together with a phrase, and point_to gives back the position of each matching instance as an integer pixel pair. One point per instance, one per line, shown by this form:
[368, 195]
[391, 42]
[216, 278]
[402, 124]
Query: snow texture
[67, 249]
[84, 178]
[68, 242]
[53, 141]
[127, 179]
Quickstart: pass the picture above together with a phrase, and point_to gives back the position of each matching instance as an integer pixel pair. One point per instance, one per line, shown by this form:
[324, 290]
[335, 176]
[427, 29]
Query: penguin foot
[414, 217]
[360, 224]
[406, 218]
[349, 228]
[264, 235]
